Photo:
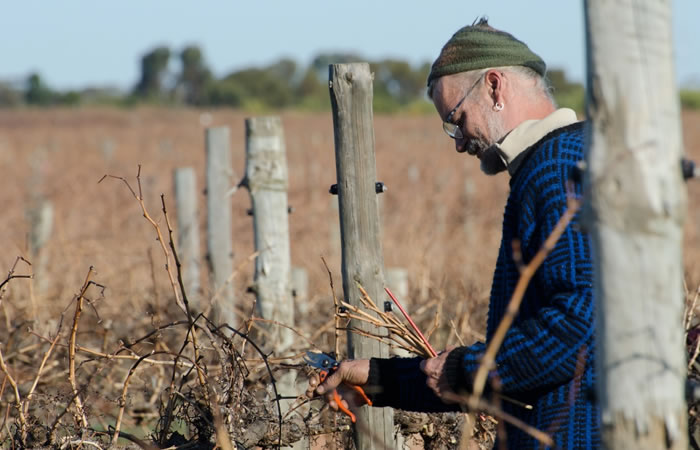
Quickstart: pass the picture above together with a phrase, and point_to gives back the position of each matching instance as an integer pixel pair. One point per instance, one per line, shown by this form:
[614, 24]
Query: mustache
[476, 145]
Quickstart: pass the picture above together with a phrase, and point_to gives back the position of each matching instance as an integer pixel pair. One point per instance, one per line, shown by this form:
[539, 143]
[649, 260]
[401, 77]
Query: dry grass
[437, 200]
[441, 221]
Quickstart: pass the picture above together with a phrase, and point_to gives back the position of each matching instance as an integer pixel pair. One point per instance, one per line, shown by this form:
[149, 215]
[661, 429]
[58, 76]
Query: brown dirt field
[440, 216]
[437, 201]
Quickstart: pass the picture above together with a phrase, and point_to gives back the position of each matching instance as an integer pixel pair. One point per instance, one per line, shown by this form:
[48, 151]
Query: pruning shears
[327, 365]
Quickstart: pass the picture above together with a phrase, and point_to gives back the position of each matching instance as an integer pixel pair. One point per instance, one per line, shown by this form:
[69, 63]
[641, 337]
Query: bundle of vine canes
[412, 340]
[400, 336]
[403, 337]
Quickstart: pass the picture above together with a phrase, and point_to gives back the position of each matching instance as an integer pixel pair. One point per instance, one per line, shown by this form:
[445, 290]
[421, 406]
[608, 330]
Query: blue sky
[75, 43]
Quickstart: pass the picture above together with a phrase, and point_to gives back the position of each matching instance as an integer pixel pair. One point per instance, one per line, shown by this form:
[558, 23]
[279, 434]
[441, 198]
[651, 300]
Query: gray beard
[491, 162]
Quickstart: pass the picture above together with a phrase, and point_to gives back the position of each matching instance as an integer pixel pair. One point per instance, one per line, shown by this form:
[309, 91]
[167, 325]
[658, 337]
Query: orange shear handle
[338, 400]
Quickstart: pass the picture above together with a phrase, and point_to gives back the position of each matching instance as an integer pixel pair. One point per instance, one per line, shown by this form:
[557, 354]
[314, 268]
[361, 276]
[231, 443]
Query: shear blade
[319, 360]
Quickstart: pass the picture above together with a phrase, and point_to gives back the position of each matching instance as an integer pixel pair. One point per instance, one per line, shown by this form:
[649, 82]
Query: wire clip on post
[379, 188]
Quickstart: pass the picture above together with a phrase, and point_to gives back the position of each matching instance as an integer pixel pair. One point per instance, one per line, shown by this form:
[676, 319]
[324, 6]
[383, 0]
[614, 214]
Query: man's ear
[496, 81]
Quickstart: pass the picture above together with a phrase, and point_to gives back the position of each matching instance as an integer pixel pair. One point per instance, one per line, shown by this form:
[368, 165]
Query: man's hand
[434, 368]
[352, 372]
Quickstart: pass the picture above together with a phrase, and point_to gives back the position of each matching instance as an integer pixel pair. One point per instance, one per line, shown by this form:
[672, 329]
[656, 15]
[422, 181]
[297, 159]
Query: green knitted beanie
[479, 46]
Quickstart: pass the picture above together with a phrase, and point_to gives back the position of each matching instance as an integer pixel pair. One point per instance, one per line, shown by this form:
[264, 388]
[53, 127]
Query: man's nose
[459, 145]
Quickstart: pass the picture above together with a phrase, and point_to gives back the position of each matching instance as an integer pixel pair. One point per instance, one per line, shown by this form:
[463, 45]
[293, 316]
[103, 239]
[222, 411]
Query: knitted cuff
[374, 377]
[454, 370]
[381, 383]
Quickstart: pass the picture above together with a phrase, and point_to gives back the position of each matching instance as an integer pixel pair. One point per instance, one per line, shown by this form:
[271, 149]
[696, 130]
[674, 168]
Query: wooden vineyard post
[362, 259]
[219, 232]
[185, 181]
[266, 180]
[300, 290]
[635, 208]
[40, 216]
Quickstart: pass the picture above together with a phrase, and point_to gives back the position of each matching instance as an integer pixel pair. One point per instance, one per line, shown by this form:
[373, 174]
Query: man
[490, 91]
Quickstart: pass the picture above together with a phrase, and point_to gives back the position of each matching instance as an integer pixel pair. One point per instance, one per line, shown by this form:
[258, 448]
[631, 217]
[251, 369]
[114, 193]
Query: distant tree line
[184, 78]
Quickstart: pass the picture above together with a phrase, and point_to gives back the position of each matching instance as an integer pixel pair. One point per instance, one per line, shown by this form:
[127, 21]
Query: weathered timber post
[40, 216]
[300, 290]
[219, 232]
[362, 259]
[266, 180]
[185, 181]
[635, 207]
[334, 233]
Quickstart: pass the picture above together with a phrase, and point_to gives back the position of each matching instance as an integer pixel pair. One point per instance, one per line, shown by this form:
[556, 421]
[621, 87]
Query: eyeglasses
[452, 129]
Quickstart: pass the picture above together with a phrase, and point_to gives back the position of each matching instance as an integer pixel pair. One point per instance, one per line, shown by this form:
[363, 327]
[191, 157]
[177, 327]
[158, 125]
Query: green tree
[567, 93]
[267, 87]
[9, 96]
[690, 99]
[154, 70]
[195, 76]
[321, 62]
[399, 79]
[70, 98]
[284, 69]
[38, 93]
[225, 93]
[398, 85]
[311, 93]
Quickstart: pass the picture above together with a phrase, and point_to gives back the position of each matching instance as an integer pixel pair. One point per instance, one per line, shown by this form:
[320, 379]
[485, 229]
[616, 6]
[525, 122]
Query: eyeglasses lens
[452, 130]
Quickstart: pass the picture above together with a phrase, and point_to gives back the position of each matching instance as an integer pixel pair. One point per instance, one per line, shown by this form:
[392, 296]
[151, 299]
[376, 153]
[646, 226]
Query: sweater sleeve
[399, 383]
[554, 327]
[543, 348]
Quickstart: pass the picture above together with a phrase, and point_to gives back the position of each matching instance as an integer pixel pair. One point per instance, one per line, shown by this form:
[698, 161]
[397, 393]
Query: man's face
[466, 104]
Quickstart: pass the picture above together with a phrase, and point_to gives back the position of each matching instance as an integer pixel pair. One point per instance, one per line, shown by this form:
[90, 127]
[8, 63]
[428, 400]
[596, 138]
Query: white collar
[529, 133]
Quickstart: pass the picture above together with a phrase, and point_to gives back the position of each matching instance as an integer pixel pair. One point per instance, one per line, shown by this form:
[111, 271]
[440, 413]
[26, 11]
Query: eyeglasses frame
[452, 129]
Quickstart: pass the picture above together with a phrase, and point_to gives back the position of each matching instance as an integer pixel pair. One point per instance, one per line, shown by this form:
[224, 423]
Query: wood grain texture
[362, 258]
[185, 182]
[267, 180]
[635, 208]
[219, 226]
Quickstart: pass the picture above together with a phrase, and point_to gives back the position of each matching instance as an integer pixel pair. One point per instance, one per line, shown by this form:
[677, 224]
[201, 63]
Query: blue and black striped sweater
[546, 359]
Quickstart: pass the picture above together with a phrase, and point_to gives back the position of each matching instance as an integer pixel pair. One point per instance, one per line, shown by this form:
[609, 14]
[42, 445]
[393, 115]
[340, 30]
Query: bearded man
[491, 93]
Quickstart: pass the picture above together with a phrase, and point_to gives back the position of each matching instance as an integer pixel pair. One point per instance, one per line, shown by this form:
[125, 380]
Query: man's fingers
[428, 366]
[311, 388]
[432, 384]
[332, 401]
[332, 382]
